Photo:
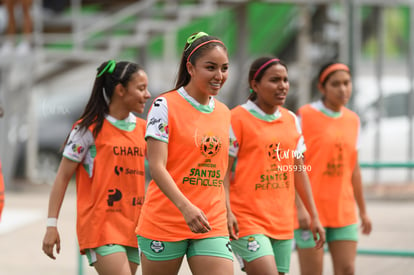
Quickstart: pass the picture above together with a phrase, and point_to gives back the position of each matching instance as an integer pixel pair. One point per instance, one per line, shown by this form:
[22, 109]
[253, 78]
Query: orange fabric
[332, 68]
[109, 203]
[197, 161]
[1, 191]
[262, 193]
[331, 152]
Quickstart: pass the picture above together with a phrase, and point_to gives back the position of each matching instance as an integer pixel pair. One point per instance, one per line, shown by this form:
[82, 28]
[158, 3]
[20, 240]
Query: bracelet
[51, 222]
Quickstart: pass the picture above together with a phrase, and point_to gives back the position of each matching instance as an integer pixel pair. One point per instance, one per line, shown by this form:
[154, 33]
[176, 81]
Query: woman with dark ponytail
[106, 149]
[184, 213]
[266, 148]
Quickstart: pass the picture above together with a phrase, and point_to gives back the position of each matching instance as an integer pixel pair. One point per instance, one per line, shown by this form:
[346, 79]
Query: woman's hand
[304, 218]
[50, 240]
[318, 230]
[232, 226]
[195, 219]
[366, 224]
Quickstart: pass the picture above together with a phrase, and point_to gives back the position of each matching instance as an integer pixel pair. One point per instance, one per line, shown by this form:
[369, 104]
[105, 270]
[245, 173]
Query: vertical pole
[80, 263]
[4, 125]
[38, 24]
[77, 24]
[32, 122]
[354, 36]
[170, 42]
[142, 47]
[9, 124]
[304, 40]
[345, 49]
[410, 150]
[238, 93]
[142, 55]
[170, 55]
[379, 73]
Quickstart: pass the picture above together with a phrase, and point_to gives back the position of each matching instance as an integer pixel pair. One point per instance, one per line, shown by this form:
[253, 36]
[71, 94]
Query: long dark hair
[105, 82]
[183, 77]
[257, 76]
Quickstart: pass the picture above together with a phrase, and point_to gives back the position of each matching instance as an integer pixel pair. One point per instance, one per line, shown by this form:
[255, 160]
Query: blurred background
[43, 88]
[48, 64]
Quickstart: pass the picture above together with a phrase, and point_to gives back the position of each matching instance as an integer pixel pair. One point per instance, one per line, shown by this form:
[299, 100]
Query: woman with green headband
[184, 213]
[331, 134]
[106, 149]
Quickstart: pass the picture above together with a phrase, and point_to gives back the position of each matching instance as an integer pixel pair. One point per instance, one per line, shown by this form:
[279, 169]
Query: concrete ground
[23, 226]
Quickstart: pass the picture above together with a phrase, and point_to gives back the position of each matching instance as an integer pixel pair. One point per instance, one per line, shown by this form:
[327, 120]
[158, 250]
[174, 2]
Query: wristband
[51, 222]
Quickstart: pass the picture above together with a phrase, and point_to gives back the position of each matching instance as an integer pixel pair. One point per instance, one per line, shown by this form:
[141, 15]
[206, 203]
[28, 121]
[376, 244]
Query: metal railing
[377, 165]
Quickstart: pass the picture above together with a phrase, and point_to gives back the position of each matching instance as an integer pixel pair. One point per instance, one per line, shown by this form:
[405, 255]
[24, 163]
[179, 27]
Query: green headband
[110, 67]
[193, 38]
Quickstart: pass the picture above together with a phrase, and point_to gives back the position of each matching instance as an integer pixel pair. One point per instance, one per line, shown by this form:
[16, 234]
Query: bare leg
[11, 24]
[343, 256]
[116, 263]
[28, 23]
[170, 267]
[263, 266]
[133, 267]
[207, 265]
[310, 261]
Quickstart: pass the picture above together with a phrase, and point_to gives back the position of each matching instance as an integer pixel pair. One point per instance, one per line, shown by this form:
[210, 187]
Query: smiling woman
[184, 214]
[101, 148]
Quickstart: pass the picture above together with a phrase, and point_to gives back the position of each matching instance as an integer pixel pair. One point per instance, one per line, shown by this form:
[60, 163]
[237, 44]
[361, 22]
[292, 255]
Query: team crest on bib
[157, 246]
[209, 145]
[272, 151]
[252, 244]
[305, 235]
